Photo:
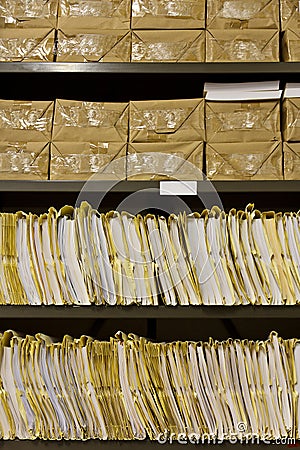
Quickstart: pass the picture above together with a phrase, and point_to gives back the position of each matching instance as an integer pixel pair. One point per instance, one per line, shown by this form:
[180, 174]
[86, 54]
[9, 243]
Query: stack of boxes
[242, 31]
[95, 31]
[89, 139]
[27, 30]
[149, 30]
[291, 131]
[243, 132]
[166, 140]
[170, 31]
[290, 25]
[234, 133]
[25, 134]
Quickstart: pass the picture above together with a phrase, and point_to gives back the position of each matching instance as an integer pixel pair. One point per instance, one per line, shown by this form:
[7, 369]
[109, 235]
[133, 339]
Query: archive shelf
[266, 68]
[149, 312]
[124, 82]
[132, 186]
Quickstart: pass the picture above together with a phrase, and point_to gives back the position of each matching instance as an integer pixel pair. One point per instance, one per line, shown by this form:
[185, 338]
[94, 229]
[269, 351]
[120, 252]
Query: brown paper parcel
[24, 160]
[90, 121]
[94, 14]
[242, 45]
[168, 46]
[83, 45]
[290, 15]
[33, 14]
[164, 161]
[83, 160]
[167, 14]
[291, 161]
[30, 44]
[291, 46]
[167, 120]
[291, 119]
[247, 121]
[25, 121]
[244, 161]
[238, 14]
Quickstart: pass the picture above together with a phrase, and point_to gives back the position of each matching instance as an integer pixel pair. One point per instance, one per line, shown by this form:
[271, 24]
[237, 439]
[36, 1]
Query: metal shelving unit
[123, 82]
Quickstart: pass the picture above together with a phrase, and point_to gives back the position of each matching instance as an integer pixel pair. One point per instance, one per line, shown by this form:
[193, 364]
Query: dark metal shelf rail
[133, 186]
[208, 68]
[148, 312]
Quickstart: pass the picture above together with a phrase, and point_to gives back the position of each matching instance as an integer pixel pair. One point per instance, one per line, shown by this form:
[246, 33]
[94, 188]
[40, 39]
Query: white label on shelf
[178, 188]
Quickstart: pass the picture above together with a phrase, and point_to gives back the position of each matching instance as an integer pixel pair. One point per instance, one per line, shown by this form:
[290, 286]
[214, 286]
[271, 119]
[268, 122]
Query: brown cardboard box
[238, 14]
[167, 120]
[290, 15]
[79, 121]
[291, 46]
[25, 14]
[25, 121]
[83, 160]
[244, 161]
[24, 160]
[246, 121]
[168, 46]
[242, 45]
[165, 161]
[291, 161]
[168, 14]
[83, 45]
[98, 15]
[30, 44]
[291, 119]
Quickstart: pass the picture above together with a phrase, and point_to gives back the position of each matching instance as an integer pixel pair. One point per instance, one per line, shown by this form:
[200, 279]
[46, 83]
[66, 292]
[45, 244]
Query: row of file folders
[79, 256]
[129, 388]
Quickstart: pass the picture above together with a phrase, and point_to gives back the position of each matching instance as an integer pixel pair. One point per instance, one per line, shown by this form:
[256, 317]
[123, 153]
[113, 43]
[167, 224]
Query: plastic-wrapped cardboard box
[165, 161]
[242, 45]
[91, 14]
[83, 160]
[166, 120]
[244, 161]
[242, 121]
[291, 119]
[28, 14]
[291, 45]
[25, 121]
[168, 46]
[24, 160]
[23, 45]
[168, 14]
[90, 121]
[290, 15]
[239, 14]
[291, 156]
[86, 45]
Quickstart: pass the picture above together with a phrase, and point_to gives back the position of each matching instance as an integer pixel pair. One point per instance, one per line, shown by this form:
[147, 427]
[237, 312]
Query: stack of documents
[166, 140]
[243, 131]
[129, 388]
[79, 256]
[291, 131]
